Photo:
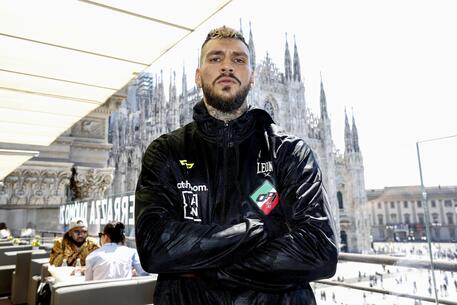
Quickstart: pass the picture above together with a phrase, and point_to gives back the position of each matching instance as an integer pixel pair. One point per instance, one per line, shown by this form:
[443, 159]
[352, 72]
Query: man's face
[225, 74]
[78, 234]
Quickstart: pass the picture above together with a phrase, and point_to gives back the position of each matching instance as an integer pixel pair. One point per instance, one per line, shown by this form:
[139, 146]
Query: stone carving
[90, 182]
[89, 128]
[3, 196]
[114, 102]
[35, 186]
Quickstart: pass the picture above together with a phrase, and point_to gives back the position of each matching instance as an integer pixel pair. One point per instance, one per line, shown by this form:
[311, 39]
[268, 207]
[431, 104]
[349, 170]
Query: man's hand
[273, 224]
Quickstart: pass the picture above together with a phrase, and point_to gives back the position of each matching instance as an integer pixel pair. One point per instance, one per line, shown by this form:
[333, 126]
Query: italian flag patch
[265, 197]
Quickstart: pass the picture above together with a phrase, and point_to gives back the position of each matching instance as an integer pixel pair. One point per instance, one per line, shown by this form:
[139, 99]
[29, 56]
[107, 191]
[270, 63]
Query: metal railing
[398, 262]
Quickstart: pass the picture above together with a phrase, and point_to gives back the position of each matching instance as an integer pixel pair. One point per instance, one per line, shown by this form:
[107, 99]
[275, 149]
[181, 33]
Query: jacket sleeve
[167, 243]
[89, 271]
[56, 256]
[308, 251]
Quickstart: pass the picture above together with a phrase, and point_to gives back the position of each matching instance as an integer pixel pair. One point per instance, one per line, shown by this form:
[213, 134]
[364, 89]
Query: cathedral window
[340, 199]
[433, 203]
[421, 218]
[435, 218]
[379, 205]
[380, 219]
[407, 218]
[392, 204]
[450, 218]
[405, 204]
[393, 218]
[419, 204]
[447, 203]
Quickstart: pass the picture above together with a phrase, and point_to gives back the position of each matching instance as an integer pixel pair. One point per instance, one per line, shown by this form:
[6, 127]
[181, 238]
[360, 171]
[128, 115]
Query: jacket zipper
[225, 157]
[224, 175]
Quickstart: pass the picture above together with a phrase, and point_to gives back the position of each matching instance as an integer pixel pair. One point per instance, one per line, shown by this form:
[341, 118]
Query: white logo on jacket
[190, 199]
[195, 188]
[264, 168]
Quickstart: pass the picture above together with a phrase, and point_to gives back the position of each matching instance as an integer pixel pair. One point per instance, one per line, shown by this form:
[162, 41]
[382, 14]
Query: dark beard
[222, 104]
[78, 244]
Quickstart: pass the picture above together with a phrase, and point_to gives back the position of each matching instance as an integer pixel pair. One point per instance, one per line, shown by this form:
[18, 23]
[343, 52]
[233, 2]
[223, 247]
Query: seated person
[113, 260]
[4, 232]
[28, 231]
[73, 245]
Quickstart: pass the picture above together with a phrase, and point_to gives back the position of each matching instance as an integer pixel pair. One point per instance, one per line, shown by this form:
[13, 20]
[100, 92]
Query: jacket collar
[240, 128]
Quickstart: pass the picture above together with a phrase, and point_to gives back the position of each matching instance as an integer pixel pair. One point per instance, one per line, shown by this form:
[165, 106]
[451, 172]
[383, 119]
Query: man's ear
[198, 78]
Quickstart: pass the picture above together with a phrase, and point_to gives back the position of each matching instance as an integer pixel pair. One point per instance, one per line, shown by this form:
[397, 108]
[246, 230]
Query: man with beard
[229, 208]
[73, 245]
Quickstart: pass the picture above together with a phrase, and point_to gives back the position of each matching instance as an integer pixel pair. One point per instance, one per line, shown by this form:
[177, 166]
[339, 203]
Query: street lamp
[427, 212]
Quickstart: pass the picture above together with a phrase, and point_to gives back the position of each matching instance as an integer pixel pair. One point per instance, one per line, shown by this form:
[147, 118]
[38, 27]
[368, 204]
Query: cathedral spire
[287, 63]
[184, 81]
[251, 47]
[172, 87]
[297, 70]
[172, 118]
[162, 89]
[348, 141]
[355, 135]
[324, 113]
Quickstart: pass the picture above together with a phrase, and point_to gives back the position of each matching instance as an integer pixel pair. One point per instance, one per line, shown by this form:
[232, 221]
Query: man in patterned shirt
[73, 245]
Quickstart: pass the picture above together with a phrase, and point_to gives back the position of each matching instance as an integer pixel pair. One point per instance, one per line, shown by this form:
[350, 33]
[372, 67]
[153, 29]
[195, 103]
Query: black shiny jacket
[233, 213]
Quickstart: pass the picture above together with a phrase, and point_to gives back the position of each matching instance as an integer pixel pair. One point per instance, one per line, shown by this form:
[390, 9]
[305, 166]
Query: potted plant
[36, 243]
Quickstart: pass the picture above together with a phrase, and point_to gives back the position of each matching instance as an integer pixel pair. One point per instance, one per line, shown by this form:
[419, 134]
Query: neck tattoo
[226, 116]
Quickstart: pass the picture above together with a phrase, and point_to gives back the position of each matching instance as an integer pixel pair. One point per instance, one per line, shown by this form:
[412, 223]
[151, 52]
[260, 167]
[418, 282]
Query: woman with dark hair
[4, 232]
[114, 259]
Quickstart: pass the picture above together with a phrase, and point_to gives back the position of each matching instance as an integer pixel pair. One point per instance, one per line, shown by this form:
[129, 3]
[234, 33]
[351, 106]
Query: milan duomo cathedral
[149, 112]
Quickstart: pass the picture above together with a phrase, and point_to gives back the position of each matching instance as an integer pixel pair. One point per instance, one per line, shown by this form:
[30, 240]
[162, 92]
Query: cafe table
[33, 252]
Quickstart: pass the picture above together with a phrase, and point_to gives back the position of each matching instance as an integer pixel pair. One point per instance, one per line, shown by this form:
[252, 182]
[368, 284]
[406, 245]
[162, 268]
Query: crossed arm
[245, 253]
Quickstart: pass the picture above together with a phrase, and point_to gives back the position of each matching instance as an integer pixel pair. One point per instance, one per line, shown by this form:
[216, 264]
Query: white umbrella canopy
[60, 60]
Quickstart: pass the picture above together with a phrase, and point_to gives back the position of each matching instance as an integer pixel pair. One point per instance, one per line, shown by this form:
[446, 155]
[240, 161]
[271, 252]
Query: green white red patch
[265, 197]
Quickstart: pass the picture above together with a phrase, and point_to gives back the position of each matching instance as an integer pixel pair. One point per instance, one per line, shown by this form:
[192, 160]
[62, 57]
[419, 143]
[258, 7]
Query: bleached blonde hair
[223, 32]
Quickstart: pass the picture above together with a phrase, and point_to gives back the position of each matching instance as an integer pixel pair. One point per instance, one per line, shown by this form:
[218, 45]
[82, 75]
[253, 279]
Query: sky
[391, 63]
